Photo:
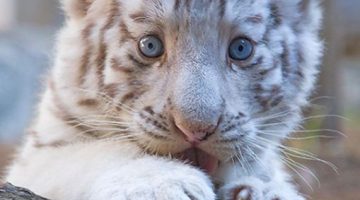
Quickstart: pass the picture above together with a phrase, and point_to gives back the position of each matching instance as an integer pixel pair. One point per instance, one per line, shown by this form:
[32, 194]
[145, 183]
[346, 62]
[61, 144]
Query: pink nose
[196, 133]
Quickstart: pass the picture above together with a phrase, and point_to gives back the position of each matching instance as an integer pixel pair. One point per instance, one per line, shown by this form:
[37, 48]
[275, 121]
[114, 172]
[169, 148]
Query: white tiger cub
[172, 100]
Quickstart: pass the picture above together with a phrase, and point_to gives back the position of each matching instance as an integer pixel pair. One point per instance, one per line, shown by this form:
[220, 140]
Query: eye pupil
[241, 48]
[151, 46]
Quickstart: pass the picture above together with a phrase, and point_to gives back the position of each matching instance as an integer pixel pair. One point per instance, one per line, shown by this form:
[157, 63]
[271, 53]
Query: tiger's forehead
[248, 17]
[195, 10]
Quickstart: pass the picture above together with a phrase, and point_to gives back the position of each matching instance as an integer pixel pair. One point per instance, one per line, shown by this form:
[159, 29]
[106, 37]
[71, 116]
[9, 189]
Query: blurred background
[331, 128]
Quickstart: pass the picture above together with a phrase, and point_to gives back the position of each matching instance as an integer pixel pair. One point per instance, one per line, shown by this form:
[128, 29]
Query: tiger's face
[224, 79]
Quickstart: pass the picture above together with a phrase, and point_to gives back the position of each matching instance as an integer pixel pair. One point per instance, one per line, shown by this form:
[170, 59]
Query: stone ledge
[10, 192]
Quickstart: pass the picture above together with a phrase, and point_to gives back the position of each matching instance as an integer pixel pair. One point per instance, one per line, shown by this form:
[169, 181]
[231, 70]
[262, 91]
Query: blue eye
[241, 49]
[151, 46]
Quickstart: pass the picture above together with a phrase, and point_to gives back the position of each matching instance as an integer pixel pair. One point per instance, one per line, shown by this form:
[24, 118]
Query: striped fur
[103, 91]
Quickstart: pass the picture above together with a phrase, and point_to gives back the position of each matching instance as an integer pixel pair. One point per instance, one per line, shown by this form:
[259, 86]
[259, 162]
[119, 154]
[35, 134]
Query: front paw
[255, 189]
[171, 190]
[176, 183]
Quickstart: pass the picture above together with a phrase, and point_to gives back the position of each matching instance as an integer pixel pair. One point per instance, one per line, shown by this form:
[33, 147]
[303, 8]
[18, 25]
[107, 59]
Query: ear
[76, 9]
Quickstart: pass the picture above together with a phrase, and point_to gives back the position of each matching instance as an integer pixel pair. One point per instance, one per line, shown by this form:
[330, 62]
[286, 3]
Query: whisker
[325, 116]
[322, 98]
[298, 153]
[272, 124]
[298, 173]
[285, 161]
[302, 167]
[255, 157]
[297, 138]
[314, 131]
[273, 116]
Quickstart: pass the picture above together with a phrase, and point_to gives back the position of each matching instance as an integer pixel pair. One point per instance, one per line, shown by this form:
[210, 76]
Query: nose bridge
[196, 96]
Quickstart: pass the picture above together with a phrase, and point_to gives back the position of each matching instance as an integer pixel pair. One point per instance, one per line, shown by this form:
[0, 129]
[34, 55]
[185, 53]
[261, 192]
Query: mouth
[199, 159]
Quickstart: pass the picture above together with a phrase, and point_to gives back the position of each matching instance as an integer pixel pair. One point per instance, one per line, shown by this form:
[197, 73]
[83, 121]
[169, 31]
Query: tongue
[201, 159]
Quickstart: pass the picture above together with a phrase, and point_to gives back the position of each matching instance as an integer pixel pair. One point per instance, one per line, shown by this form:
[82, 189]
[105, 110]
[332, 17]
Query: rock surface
[10, 192]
